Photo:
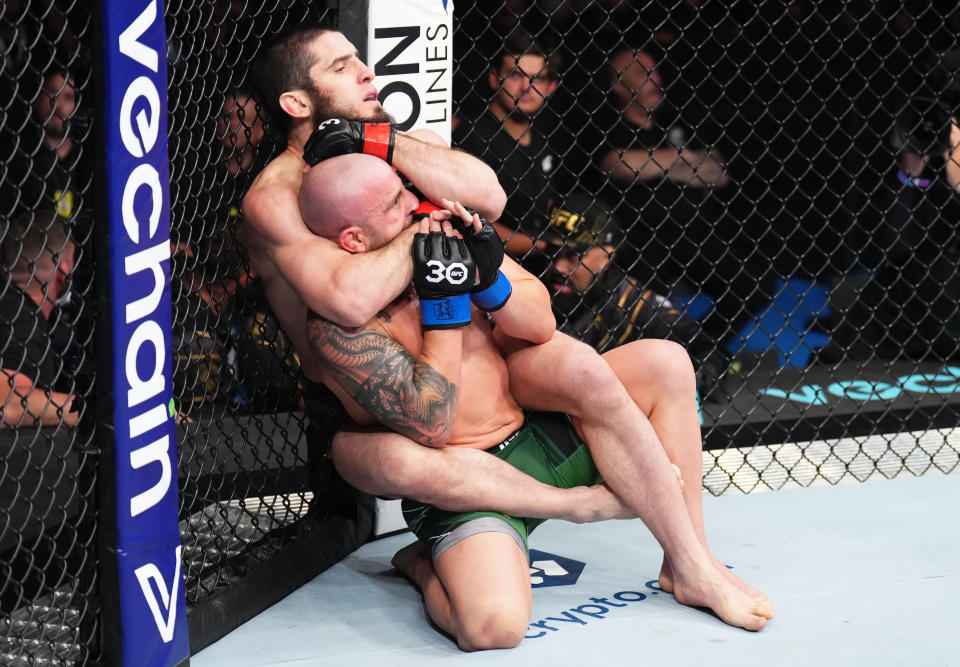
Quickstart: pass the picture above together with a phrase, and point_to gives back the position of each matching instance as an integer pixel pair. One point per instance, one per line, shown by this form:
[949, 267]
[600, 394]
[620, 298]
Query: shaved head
[335, 192]
[355, 196]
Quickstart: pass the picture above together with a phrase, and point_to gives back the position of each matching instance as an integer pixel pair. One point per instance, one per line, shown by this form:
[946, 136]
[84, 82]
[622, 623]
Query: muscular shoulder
[277, 185]
[271, 209]
[340, 346]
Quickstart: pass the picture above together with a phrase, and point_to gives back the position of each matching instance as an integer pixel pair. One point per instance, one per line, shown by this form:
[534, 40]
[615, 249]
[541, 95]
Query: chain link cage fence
[769, 184]
[260, 510]
[49, 460]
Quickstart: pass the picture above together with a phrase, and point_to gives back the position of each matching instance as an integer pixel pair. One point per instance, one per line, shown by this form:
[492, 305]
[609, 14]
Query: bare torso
[486, 410]
[272, 216]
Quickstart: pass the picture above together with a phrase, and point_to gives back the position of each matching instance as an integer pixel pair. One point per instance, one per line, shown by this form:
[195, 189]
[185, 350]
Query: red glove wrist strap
[426, 208]
[378, 141]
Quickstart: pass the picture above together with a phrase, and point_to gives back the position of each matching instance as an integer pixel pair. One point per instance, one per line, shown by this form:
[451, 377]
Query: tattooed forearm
[411, 397]
[402, 393]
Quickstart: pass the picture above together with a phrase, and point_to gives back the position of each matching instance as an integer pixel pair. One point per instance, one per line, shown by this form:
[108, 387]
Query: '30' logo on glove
[454, 273]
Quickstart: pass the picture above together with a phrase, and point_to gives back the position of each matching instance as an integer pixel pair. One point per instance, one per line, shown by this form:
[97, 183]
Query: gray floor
[859, 573]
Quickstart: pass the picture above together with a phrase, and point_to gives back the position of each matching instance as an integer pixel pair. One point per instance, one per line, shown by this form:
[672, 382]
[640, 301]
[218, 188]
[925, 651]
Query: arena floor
[860, 573]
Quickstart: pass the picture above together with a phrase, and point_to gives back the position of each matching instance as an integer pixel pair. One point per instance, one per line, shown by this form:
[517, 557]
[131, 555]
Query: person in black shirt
[672, 188]
[523, 76]
[38, 257]
[44, 170]
[906, 305]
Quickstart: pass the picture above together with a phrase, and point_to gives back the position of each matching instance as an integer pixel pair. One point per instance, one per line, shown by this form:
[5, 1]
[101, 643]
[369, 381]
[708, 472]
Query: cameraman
[909, 305]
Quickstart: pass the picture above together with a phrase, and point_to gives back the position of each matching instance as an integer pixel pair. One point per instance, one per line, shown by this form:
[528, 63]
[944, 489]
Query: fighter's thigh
[559, 375]
[384, 463]
[649, 367]
[487, 577]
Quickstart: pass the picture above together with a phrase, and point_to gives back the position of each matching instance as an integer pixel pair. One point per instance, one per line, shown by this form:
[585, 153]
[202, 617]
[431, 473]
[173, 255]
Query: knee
[672, 367]
[492, 629]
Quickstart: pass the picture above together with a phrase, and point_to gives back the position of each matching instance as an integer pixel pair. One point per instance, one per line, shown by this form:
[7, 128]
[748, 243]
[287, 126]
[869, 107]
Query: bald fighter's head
[356, 200]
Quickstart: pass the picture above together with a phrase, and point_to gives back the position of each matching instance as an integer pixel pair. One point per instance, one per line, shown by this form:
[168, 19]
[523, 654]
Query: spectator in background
[227, 345]
[908, 305]
[595, 301]
[43, 172]
[240, 130]
[535, 176]
[670, 184]
[522, 77]
[657, 152]
[53, 109]
[38, 258]
[212, 266]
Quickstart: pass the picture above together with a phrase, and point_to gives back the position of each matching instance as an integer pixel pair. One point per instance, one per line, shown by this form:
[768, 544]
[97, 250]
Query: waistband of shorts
[506, 441]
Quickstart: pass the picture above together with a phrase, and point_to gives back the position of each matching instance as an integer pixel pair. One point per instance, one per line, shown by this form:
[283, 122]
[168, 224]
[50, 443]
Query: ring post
[152, 613]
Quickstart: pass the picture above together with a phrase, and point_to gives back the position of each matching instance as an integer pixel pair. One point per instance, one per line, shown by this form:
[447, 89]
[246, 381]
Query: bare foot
[760, 600]
[666, 578]
[413, 562]
[735, 580]
[710, 589]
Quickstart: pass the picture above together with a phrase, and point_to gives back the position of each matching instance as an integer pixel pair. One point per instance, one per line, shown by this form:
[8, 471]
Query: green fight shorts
[547, 448]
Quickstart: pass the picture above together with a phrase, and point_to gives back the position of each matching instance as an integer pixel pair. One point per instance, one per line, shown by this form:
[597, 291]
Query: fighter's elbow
[486, 191]
[495, 200]
[350, 308]
[432, 435]
[343, 313]
[351, 316]
[543, 330]
[439, 440]
[536, 329]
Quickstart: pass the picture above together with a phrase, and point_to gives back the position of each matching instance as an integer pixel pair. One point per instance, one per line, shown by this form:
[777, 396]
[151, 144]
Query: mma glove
[443, 274]
[338, 136]
[493, 288]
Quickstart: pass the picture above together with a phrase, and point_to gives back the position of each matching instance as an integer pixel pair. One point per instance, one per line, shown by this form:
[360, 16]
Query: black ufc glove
[337, 136]
[443, 275]
[493, 289]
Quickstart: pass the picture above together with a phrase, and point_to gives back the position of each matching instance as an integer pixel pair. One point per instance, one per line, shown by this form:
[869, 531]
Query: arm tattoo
[400, 392]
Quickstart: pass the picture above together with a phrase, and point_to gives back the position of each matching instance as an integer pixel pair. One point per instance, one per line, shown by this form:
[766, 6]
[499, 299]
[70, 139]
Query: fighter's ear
[353, 240]
[493, 78]
[296, 104]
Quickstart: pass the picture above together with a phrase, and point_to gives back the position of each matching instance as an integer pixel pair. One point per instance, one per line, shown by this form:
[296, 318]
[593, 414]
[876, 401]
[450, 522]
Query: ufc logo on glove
[455, 273]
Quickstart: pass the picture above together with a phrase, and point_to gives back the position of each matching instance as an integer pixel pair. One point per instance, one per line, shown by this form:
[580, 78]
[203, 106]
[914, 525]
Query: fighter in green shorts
[547, 448]
[430, 367]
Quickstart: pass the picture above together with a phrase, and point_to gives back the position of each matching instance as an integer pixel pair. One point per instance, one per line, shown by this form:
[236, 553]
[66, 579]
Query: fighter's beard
[324, 108]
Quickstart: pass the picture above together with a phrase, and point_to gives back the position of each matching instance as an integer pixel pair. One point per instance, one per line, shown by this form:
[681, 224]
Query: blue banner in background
[153, 613]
